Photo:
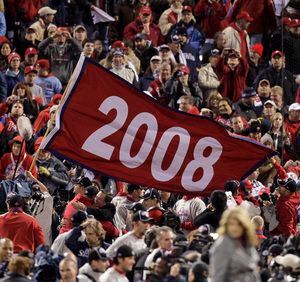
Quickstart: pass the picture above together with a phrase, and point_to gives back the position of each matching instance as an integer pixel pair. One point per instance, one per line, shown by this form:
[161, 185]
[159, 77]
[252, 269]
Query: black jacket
[14, 277]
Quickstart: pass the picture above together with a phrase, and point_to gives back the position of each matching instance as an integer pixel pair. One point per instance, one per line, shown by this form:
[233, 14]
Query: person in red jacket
[21, 228]
[286, 208]
[232, 70]
[143, 24]
[9, 160]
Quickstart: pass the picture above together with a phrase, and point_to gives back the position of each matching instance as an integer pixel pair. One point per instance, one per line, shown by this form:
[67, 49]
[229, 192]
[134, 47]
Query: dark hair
[132, 187]
[21, 85]
[218, 200]
[87, 40]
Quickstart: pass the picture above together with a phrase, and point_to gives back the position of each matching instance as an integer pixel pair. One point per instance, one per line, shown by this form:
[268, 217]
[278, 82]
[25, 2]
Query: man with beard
[134, 238]
[63, 52]
[225, 112]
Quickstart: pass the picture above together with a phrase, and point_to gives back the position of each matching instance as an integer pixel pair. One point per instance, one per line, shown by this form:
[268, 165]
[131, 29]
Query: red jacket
[262, 11]
[22, 229]
[292, 128]
[211, 15]
[286, 214]
[136, 27]
[232, 83]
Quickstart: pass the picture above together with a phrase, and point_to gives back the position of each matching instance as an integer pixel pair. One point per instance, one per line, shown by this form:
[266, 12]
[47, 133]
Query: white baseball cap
[294, 107]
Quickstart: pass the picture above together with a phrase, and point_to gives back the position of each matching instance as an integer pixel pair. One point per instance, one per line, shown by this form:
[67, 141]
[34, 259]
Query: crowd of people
[236, 62]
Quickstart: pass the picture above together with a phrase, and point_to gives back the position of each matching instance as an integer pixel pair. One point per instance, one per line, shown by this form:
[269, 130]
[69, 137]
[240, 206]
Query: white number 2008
[94, 144]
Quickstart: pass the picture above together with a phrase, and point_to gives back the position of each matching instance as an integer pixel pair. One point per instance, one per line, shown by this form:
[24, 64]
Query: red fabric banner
[107, 125]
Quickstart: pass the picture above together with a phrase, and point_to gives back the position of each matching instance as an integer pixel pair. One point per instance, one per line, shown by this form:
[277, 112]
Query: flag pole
[49, 126]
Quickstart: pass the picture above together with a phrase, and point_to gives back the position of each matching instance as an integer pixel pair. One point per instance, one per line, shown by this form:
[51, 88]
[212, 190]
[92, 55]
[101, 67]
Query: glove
[44, 171]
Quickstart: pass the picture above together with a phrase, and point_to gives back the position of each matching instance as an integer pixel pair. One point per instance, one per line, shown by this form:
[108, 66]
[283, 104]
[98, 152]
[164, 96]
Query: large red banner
[109, 126]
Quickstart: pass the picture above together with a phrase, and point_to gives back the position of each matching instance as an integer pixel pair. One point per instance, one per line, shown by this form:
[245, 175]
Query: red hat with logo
[12, 56]
[244, 15]
[43, 63]
[185, 69]
[277, 52]
[145, 10]
[30, 69]
[258, 48]
[187, 9]
[31, 51]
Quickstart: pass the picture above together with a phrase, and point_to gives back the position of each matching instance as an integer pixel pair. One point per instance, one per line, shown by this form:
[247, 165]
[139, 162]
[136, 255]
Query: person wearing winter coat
[236, 34]
[207, 78]
[277, 74]
[63, 53]
[144, 24]
[196, 37]
[233, 256]
[151, 73]
[170, 16]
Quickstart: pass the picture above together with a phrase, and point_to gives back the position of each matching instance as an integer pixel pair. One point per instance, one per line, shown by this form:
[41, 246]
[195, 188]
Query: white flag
[99, 16]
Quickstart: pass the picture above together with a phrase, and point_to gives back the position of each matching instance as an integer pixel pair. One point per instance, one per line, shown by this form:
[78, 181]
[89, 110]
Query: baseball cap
[277, 53]
[135, 207]
[244, 15]
[118, 44]
[289, 260]
[270, 102]
[214, 52]
[158, 58]
[124, 252]
[294, 107]
[97, 254]
[255, 127]
[12, 56]
[142, 216]
[78, 217]
[164, 46]
[43, 63]
[181, 31]
[140, 36]
[151, 193]
[264, 81]
[91, 191]
[145, 10]
[30, 69]
[184, 69]
[79, 27]
[46, 11]
[247, 93]
[31, 51]
[289, 184]
[84, 181]
[187, 9]
[175, 39]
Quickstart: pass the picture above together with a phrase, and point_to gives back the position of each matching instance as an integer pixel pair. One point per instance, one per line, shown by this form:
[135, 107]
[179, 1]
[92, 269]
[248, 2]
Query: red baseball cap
[244, 15]
[31, 51]
[184, 69]
[145, 10]
[30, 69]
[294, 23]
[13, 55]
[277, 52]
[187, 9]
[43, 63]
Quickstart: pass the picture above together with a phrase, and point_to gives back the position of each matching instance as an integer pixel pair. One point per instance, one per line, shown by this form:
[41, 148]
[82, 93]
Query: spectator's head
[134, 191]
[17, 109]
[165, 71]
[80, 33]
[68, 270]
[269, 109]
[255, 130]
[51, 30]
[182, 74]
[187, 14]
[102, 198]
[98, 45]
[267, 141]
[94, 232]
[31, 56]
[15, 201]
[161, 267]
[248, 96]
[98, 260]
[254, 175]
[182, 34]
[232, 186]
[6, 250]
[22, 91]
[214, 56]
[91, 192]
[294, 112]
[30, 34]
[20, 265]
[124, 258]
[177, 4]
[243, 20]
[185, 103]
[88, 47]
[140, 222]
[140, 41]
[277, 121]
[258, 222]
[81, 185]
[118, 59]
[256, 53]
[277, 95]
[164, 52]
[286, 187]
[198, 272]
[61, 35]
[5, 49]
[236, 224]
[237, 124]
[213, 100]
[206, 112]
[165, 238]
[30, 75]
[220, 40]
[16, 144]
[224, 107]
[155, 63]
[78, 218]
[218, 200]
[264, 88]
[145, 14]
[47, 14]
[151, 198]
[273, 251]
[43, 67]
[14, 61]
[232, 59]
[277, 60]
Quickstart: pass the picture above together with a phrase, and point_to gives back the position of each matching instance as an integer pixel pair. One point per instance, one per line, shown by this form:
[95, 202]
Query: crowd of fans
[235, 62]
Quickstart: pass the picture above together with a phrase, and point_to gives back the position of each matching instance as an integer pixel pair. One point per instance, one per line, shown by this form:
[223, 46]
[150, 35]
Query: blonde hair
[242, 216]
[283, 132]
[2, 7]
[19, 265]
[258, 222]
[213, 95]
[97, 227]
[277, 89]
